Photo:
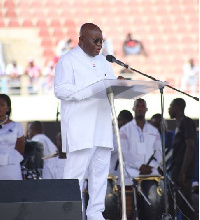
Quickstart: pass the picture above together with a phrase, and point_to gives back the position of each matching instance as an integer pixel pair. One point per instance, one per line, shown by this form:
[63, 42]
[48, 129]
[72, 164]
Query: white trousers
[191, 81]
[94, 165]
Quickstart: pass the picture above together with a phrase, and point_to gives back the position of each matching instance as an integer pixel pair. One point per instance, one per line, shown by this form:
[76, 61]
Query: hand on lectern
[120, 77]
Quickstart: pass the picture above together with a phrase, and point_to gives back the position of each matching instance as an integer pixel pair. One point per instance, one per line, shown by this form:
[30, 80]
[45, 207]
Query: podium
[118, 89]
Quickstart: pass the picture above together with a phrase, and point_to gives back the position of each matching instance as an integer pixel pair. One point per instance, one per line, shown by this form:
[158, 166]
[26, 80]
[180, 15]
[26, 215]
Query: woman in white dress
[11, 142]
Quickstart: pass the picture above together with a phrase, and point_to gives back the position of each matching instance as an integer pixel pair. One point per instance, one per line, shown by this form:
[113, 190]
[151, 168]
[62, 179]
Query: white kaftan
[84, 123]
[138, 146]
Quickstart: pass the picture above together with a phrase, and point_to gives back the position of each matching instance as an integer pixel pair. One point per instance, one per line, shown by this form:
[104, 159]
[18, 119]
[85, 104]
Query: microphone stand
[134, 70]
[112, 59]
[110, 96]
[180, 193]
[166, 215]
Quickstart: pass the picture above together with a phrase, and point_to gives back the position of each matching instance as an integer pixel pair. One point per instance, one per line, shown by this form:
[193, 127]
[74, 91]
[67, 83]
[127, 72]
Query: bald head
[87, 27]
[90, 39]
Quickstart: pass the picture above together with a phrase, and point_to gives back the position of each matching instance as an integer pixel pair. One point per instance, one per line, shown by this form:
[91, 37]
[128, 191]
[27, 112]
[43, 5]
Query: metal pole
[135, 201]
[123, 195]
[166, 215]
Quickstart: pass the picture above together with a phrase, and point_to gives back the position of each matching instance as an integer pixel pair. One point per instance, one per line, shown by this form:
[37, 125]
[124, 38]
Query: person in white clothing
[190, 76]
[55, 170]
[142, 153]
[140, 140]
[11, 142]
[36, 133]
[86, 125]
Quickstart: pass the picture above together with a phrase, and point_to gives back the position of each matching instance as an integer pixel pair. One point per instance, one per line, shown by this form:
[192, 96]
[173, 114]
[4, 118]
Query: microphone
[112, 59]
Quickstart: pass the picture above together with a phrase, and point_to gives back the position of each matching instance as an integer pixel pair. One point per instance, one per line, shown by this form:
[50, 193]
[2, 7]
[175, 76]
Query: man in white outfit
[140, 140]
[86, 123]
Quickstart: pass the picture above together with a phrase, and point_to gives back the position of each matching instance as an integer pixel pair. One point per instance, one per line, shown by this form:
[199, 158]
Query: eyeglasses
[98, 40]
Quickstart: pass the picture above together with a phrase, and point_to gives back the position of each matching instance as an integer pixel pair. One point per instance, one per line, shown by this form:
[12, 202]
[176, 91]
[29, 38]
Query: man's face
[156, 122]
[172, 110]
[140, 109]
[121, 122]
[91, 42]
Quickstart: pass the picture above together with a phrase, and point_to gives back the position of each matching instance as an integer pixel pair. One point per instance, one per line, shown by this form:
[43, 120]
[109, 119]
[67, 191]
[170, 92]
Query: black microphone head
[110, 58]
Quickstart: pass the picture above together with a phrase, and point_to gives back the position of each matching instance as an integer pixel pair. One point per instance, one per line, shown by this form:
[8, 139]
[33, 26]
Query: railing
[23, 85]
[43, 85]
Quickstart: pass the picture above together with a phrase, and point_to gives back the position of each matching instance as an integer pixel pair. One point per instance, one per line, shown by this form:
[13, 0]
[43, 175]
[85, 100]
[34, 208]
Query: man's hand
[120, 77]
[145, 169]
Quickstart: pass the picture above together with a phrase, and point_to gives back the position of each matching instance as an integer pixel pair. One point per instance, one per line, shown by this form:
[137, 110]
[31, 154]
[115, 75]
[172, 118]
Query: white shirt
[138, 146]
[48, 146]
[190, 71]
[11, 70]
[85, 123]
[9, 133]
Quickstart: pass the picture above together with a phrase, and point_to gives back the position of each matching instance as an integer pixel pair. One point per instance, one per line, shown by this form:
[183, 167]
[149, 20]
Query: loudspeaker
[40, 200]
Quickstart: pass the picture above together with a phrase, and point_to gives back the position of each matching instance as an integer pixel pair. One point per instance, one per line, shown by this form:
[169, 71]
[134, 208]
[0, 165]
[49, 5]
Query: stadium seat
[25, 13]
[53, 14]
[9, 4]
[46, 42]
[41, 23]
[10, 13]
[72, 34]
[37, 4]
[48, 53]
[44, 32]
[58, 33]
[55, 23]
[13, 23]
[69, 23]
[64, 5]
[39, 13]
[23, 5]
[27, 23]
[51, 4]
[2, 24]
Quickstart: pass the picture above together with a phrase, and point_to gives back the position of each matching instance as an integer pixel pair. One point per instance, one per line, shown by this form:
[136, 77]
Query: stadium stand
[168, 29]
